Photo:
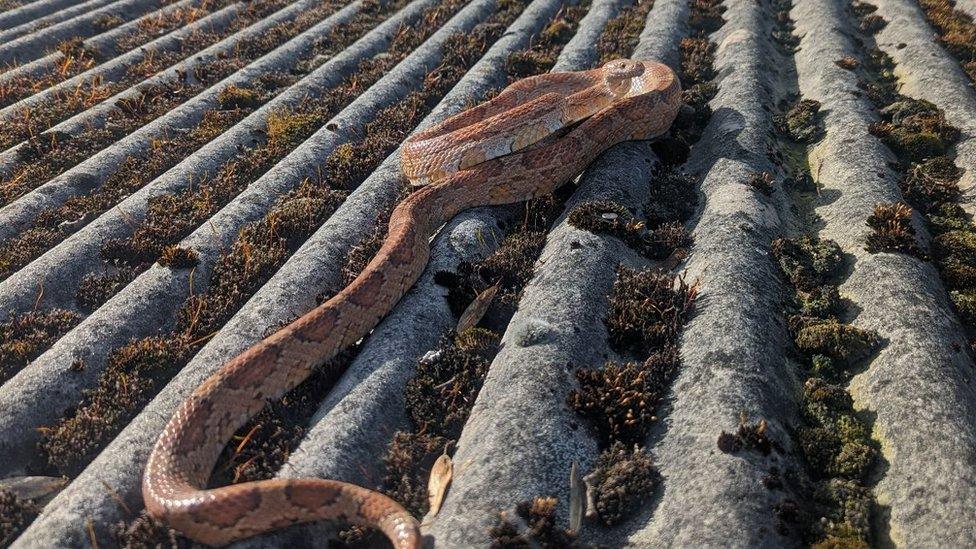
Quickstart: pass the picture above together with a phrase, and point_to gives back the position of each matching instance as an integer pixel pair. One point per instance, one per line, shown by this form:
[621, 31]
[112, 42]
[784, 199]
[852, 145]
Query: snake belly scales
[536, 135]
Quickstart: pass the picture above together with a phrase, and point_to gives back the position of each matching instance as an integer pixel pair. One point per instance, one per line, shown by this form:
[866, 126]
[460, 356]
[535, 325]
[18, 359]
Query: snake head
[618, 74]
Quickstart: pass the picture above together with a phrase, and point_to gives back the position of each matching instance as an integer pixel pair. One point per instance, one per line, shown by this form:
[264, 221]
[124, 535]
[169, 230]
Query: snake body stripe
[189, 446]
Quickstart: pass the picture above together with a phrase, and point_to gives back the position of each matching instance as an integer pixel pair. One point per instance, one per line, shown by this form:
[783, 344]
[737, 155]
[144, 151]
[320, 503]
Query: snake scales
[536, 135]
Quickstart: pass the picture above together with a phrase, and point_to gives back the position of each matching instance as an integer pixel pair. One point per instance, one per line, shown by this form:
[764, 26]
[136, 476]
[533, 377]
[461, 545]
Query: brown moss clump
[96, 289]
[647, 309]
[171, 217]
[138, 370]
[848, 63]
[544, 49]
[607, 217]
[620, 36]
[260, 249]
[352, 162]
[697, 59]
[673, 198]
[260, 447]
[155, 100]
[145, 532]
[762, 182]
[15, 515]
[409, 460]
[706, 16]
[696, 70]
[872, 24]
[808, 262]
[882, 85]
[440, 394]
[133, 375]
[800, 123]
[25, 335]
[622, 479]
[893, 230]
[957, 31]
[621, 400]
[134, 171]
[834, 442]
[107, 21]
[178, 257]
[749, 436]
[511, 266]
[534, 525]
[933, 182]
[528, 62]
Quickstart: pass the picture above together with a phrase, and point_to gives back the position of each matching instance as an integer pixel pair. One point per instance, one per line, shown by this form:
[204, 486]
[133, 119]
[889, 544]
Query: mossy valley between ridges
[193, 154]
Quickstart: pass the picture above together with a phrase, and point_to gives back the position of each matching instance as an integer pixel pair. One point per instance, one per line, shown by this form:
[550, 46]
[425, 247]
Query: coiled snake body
[468, 160]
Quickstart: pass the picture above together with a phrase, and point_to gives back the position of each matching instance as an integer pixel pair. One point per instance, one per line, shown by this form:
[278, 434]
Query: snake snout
[619, 73]
[623, 68]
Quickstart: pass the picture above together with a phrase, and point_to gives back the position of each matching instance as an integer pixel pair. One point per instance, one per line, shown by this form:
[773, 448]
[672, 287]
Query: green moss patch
[24, 336]
[834, 442]
[834, 347]
[917, 132]
[801, 123]
[955, 255]
[847, 517]
[914, 130]
[807, 261]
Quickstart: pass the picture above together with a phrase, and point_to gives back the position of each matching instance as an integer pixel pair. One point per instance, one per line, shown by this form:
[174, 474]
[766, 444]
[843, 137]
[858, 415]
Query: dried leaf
[440, 478]
[577, 499]
[477, 309]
